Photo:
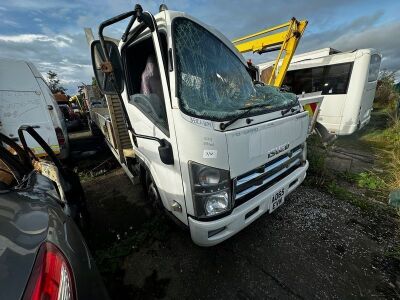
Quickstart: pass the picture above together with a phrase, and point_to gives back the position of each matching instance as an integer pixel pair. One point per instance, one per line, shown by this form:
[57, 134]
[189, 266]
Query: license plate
[277, 199]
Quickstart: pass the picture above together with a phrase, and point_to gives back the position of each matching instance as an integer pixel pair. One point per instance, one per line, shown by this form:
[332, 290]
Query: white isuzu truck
[214, 148]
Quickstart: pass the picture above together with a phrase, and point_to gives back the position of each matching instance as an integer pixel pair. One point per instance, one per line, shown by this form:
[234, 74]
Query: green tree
[96, 89]
[387, 96]
[54, 83]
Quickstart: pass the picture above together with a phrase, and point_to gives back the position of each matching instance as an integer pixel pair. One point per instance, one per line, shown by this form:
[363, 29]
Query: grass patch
[387, 147]
[317, 173]
[343, 194]
[370, 181]
[359, 189]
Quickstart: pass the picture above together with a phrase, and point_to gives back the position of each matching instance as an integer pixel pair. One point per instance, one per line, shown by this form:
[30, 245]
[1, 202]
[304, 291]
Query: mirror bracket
[106, 67]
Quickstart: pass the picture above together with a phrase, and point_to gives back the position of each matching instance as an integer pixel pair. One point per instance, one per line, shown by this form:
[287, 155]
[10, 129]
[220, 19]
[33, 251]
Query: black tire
[154, 196]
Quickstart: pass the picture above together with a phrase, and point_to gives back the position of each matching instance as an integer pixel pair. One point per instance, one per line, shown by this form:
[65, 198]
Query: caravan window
[311, 80]
[374, 66]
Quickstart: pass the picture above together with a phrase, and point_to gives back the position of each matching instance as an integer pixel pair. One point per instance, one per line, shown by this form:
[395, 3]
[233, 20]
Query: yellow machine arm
[284, 37]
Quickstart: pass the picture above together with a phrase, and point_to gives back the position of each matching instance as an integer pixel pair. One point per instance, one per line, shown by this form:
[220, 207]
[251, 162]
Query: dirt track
[314, 246]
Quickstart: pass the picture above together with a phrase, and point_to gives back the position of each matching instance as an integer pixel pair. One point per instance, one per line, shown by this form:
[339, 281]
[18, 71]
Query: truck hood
[250, 147]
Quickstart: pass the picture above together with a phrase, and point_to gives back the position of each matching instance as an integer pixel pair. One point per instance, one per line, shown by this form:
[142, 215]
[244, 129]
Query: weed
[348, 176]
[370, 181]
[343, 194]
[316, 155]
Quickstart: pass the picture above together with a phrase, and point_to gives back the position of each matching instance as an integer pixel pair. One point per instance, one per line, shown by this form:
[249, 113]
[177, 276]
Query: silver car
[42, 252]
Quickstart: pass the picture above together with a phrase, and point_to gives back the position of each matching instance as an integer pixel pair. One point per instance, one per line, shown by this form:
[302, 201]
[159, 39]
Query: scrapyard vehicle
[347, 82]
[215, 149]
[25, 99]
[42, 252]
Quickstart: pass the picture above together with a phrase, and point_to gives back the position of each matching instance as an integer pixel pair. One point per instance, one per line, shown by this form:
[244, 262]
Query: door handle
[50, 107]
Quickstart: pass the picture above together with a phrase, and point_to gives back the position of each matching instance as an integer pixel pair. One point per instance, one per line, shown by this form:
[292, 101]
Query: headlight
[209, 176]
[217, 203]
[211, 190]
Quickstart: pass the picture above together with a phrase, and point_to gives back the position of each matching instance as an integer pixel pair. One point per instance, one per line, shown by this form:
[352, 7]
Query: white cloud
[60, 44]
[59, 41]
[9, 22]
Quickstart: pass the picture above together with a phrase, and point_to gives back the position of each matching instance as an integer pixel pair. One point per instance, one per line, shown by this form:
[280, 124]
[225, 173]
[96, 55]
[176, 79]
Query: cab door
[149, 109]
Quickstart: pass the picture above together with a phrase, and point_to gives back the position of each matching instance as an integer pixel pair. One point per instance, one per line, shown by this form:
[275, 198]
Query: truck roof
[160, 18]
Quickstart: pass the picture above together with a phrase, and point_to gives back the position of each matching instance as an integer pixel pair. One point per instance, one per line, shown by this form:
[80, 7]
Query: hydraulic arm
[284, 37]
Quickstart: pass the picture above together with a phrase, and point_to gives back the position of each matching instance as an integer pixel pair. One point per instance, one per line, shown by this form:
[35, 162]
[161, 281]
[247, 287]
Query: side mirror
[109, 81]
[165, 151]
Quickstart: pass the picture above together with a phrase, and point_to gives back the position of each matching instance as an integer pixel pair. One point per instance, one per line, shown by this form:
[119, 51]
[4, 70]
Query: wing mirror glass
[109, 76]
[166, 153]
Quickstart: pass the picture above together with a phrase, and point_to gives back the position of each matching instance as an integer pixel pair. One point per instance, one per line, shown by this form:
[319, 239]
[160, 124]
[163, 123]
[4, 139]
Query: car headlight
[211, 190]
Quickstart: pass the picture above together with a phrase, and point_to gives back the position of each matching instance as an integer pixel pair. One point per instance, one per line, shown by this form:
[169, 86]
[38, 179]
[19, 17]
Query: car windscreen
[212, 82]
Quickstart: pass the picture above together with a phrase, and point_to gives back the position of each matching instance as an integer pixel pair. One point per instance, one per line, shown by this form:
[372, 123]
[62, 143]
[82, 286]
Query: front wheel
[154, 196]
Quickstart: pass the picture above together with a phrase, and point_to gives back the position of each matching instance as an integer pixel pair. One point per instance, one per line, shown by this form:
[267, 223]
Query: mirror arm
[138, 12]
[147, 137]
[108, 23]
[147, 19]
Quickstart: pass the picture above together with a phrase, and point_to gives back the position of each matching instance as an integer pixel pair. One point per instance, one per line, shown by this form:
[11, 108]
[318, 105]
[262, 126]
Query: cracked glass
[212, 82]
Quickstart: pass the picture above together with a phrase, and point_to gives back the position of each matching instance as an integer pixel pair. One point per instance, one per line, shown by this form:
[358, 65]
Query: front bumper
[239, 218]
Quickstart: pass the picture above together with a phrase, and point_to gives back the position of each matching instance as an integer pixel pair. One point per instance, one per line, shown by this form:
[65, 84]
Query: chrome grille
[250, 184]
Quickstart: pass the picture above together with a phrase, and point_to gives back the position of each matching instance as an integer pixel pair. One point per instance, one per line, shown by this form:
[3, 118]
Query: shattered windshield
[212, 82]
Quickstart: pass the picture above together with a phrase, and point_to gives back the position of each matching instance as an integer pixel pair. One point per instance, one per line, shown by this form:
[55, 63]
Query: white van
[350, 79]
[25, 99]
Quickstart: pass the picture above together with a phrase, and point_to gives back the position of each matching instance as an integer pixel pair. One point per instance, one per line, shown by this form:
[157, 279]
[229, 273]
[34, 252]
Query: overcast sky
[50, 33]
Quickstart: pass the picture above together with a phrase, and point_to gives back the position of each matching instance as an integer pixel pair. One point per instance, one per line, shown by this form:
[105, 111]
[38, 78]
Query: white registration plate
[277, 199]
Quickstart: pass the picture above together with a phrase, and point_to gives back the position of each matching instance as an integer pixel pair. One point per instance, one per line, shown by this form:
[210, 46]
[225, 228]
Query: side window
[374, 66]
[299, 81]
[146, 91]
[317, 79]
[335, 77]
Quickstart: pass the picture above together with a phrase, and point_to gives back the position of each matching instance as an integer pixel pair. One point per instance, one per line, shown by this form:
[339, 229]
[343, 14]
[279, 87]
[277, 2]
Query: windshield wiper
[247, 110]
[289, 109]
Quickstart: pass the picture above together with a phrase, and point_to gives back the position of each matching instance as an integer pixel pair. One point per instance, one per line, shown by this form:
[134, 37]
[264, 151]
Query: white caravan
[347, 80]
[214, 149]
[25, 99]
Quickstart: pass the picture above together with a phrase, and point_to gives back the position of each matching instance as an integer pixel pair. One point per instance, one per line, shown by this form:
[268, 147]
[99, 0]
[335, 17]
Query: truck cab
[216, 149]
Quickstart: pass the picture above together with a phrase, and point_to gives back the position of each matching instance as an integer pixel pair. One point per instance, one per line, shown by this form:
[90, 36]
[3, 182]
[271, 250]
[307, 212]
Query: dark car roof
[24, 223]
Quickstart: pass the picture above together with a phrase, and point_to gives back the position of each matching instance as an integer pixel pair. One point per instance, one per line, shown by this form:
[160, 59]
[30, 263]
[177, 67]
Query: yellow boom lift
[284, 37]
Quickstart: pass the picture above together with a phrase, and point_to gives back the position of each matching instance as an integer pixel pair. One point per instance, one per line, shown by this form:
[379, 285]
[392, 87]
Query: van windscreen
[212, 82]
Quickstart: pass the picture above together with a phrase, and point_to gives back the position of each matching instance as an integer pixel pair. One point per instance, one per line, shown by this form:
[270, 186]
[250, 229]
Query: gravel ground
[314, 246]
